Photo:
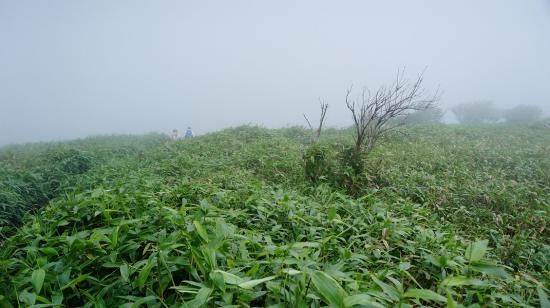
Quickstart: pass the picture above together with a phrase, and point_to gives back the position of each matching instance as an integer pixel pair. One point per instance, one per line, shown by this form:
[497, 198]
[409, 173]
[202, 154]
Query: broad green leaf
[62, 223]
[27, 298]
[57, 298]
[42, 305]
[37, 279]
[291, 271]
[49, 251]
[252, 283]
[148, 299]
[186, 289]
[404, 266]
[129, 221]
[332, 213]
[201, 298]
[543, 298]
[304, 245]
[457, 281]
[209, 255]
[490, 269]
[218, 280]
[361, 299]
[171, 210]
[43, 300]
[124, 272]
[253, 270]
[424, 294]
[201, 231]
[114, 237]
[390, 291]
[229, 278]
[450, 302]
[144, 273]
[75, 281]
[328, 288]
[476, 250]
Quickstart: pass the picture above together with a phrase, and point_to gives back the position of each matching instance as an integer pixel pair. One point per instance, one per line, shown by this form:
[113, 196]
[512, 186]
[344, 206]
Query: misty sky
[77, 68]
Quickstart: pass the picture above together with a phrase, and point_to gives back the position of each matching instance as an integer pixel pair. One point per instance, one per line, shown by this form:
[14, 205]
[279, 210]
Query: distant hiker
[175, 134]
[188, 133]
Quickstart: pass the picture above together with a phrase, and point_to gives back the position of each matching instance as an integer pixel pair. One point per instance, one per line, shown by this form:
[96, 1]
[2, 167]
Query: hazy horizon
[73, 69]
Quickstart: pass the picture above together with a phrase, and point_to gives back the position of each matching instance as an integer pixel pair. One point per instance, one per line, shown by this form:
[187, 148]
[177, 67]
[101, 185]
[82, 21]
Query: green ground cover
[446, 216]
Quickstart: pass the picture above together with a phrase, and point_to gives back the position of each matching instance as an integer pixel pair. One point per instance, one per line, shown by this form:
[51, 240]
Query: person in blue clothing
[189, 133]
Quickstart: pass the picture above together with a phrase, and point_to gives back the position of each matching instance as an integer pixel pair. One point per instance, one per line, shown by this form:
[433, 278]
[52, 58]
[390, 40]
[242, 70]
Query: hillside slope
[451, 216]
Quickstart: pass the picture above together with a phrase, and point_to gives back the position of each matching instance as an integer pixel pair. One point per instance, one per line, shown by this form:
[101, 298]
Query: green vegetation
[431, 115]
[523, 114]
[485, 112]
[441, 216]
[28, 185]
[476, 112]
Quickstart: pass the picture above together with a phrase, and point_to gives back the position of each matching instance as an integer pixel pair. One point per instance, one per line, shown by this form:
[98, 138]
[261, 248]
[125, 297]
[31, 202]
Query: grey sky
[76, 68]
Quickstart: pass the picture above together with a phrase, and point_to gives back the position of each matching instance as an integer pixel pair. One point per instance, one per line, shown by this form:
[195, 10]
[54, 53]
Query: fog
[70, 69]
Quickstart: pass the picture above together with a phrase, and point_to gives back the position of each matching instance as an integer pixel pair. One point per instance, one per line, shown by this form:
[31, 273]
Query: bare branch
[316, 133]
[324, 107]
[372, 116]
[308, 123]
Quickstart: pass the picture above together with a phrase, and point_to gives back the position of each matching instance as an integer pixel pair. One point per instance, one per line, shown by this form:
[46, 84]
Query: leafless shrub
[372, 114]
[316, 133]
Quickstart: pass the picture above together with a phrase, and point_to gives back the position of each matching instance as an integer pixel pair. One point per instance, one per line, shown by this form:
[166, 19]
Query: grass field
[447, 216]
